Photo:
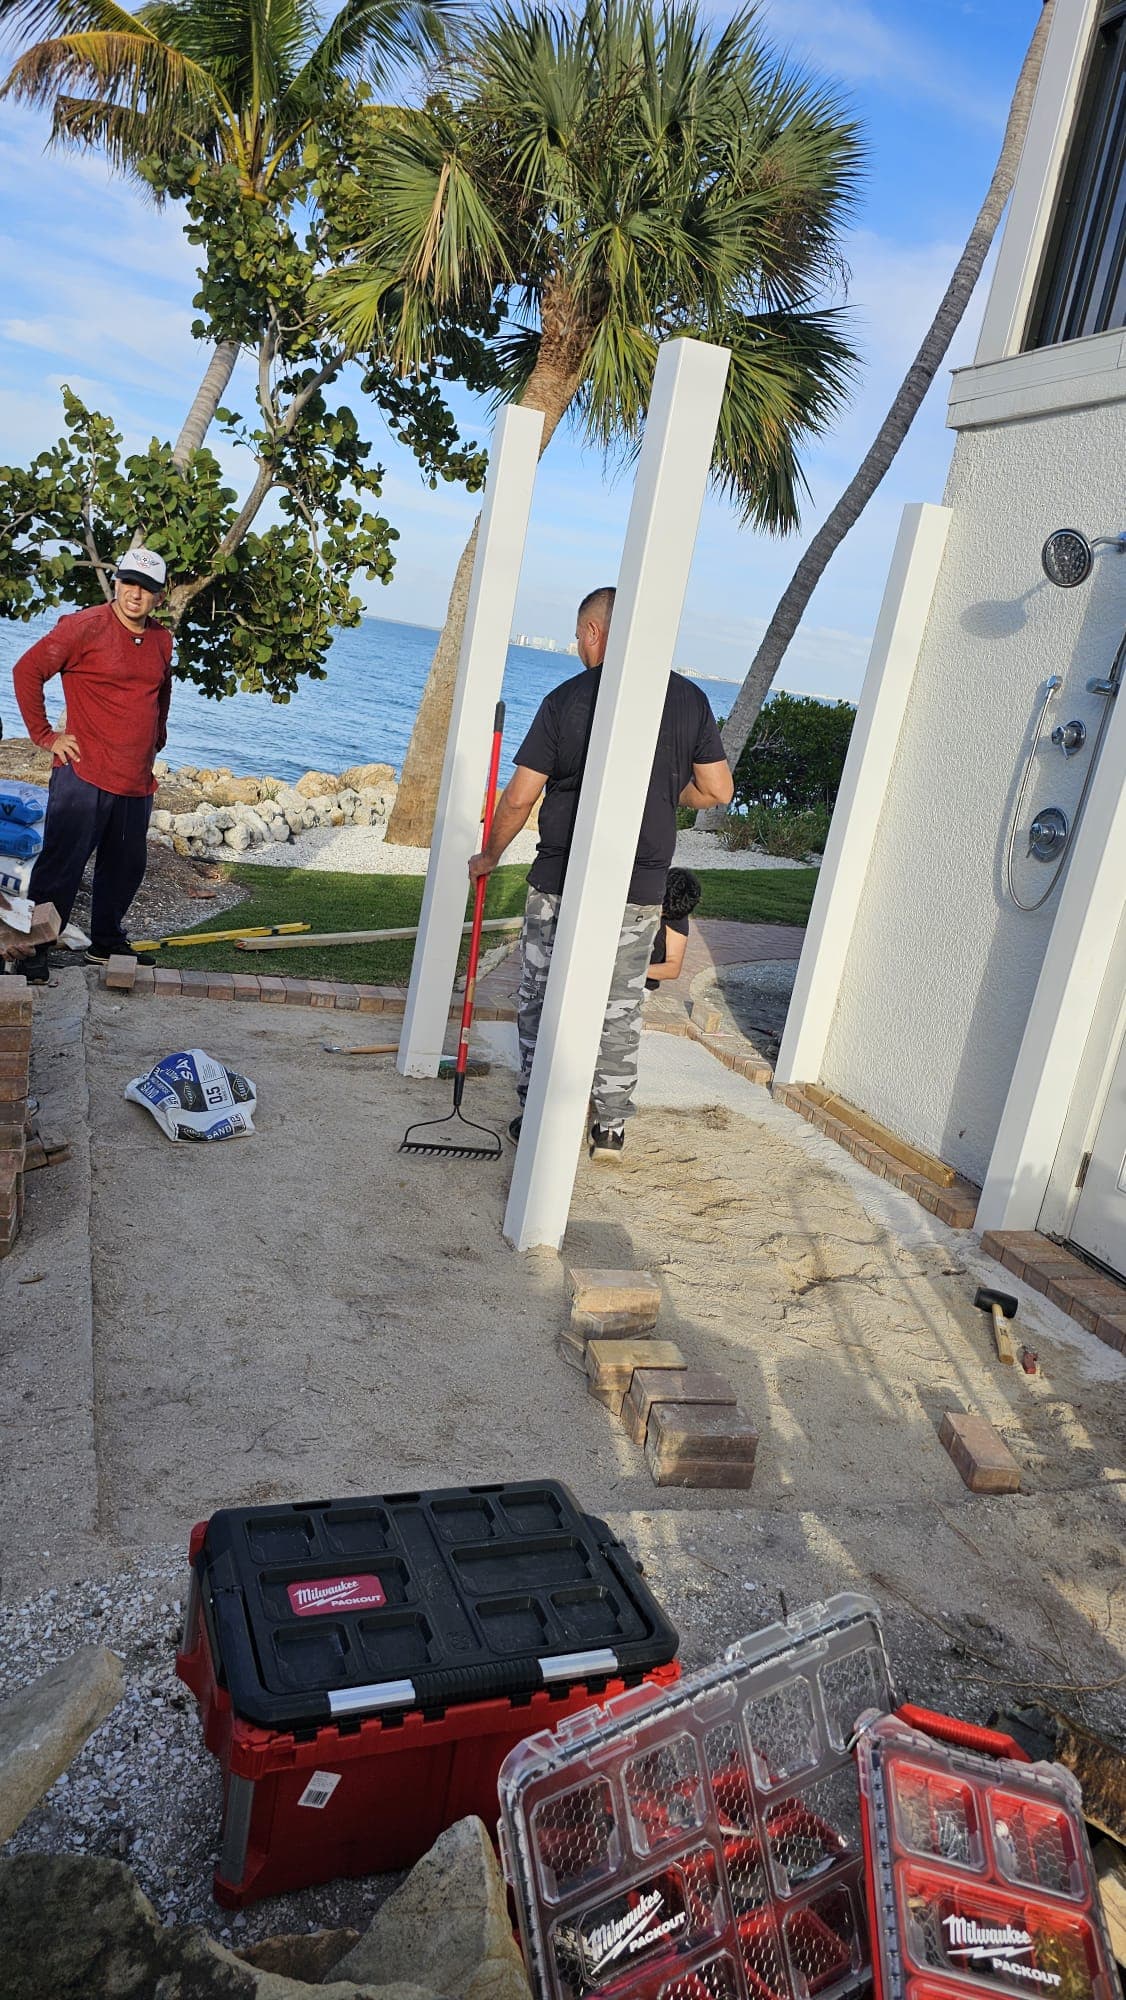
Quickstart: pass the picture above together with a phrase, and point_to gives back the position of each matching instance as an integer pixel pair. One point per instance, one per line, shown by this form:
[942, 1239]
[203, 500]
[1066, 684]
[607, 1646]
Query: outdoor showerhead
[1068, 557]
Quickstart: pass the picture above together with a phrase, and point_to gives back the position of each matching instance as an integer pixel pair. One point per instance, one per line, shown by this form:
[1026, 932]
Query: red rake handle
[478, 912]
[963, 1735]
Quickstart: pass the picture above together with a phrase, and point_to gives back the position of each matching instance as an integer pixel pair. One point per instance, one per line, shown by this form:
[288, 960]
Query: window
[1083, 289]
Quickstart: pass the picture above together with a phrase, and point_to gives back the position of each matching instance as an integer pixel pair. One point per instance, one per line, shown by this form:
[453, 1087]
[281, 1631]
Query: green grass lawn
[330, 902]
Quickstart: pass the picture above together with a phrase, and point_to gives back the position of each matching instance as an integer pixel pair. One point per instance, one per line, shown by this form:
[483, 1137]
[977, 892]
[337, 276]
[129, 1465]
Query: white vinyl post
[513, 458]
[672, 476]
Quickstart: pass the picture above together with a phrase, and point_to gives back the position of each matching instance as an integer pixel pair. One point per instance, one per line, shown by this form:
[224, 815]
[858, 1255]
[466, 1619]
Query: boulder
[45, 1725]
[77, 1927]
[161, 821]
[234, 791]
[376, 775]
[447, 1925]
[237, 837]
[315, 784]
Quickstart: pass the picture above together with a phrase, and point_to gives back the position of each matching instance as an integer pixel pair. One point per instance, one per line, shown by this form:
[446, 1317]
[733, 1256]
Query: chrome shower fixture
[1067, 556]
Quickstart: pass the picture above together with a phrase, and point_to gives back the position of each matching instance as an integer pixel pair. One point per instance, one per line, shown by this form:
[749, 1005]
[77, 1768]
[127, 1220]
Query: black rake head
[452, 1147]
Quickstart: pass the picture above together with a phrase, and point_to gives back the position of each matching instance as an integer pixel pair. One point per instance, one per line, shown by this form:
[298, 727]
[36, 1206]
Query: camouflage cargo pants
[615, 1075]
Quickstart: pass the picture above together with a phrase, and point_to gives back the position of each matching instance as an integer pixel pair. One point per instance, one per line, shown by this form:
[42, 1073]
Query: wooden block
[700, 1444]
[627, 1292]
[979, 1452]
[662, 1385]
[610, 1365]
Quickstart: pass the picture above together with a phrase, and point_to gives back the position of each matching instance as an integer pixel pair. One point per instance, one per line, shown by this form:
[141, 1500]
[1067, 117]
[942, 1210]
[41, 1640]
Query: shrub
[795, 754]
[777, 830]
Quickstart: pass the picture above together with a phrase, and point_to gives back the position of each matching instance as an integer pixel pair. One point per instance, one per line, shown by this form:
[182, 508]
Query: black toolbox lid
[420, 1600]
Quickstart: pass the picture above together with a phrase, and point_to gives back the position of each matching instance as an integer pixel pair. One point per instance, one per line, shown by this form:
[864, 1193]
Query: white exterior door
[1099, 1223]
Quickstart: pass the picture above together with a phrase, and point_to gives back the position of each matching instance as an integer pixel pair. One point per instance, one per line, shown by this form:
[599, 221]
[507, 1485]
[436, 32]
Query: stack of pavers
[688, 1420]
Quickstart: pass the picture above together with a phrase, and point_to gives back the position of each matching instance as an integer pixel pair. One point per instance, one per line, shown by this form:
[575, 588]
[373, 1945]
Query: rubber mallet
[1003, 1307]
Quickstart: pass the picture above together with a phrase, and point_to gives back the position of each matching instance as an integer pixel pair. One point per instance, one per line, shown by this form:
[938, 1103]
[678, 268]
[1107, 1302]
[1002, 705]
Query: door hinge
[1083, 1166]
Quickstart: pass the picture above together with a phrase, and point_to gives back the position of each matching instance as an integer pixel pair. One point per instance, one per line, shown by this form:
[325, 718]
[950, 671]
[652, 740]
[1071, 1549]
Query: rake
[451, 1145]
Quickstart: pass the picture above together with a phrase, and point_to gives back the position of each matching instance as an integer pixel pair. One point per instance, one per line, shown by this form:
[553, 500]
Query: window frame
[1075, 295]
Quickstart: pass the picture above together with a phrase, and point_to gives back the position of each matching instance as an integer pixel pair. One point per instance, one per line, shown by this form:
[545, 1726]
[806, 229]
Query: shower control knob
[1048, 833]
[1069, 737]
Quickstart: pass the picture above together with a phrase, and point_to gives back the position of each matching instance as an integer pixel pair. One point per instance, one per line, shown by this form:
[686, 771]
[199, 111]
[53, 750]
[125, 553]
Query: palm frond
[28, 21]
[133, 72]
[368, 41]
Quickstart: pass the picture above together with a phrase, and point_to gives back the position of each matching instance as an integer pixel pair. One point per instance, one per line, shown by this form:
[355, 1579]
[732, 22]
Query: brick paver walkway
[712, 941]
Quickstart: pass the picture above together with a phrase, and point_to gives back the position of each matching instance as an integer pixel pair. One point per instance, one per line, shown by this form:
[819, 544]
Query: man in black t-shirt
[689, 768]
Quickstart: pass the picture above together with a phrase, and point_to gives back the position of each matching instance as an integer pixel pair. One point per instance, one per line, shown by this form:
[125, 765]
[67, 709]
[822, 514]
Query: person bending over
[689, 768]
[682, 893]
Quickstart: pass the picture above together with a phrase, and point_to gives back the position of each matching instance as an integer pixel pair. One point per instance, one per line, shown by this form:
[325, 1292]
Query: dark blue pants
[80, 819]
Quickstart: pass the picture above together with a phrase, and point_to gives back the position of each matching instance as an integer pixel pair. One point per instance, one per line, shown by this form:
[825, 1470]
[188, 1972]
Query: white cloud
[850, 39]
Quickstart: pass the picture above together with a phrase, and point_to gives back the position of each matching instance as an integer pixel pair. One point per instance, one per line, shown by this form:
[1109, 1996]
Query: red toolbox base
[287, 1824]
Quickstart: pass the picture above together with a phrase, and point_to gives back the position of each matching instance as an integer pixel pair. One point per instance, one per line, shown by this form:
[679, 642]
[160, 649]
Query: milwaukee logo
[627, 1935]
[1003, 1945]
[336, 1593]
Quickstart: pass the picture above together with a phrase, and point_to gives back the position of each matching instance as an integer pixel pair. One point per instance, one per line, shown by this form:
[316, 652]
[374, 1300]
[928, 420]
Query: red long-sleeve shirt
[117, 685]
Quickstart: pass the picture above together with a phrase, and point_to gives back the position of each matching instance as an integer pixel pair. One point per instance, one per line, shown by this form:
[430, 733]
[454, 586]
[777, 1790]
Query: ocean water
[362, 714]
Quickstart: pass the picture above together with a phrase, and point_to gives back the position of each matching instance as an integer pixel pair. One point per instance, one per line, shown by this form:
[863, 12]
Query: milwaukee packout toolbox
[362, 1667]
[980, 1879]
[704, 1843]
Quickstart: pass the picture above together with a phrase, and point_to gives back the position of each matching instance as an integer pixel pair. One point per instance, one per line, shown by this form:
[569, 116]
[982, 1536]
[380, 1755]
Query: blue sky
[96, 286]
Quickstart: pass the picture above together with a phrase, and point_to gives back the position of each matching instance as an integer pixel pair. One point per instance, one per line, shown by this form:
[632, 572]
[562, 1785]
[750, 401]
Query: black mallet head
[985, 1299]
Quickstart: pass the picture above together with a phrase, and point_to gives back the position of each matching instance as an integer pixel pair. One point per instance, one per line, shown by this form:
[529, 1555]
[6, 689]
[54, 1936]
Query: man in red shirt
[116, 668]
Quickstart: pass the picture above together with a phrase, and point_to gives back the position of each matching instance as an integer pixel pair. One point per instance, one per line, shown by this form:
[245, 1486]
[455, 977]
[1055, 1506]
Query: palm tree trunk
[220, 368]
[896, 424]
[551, 389]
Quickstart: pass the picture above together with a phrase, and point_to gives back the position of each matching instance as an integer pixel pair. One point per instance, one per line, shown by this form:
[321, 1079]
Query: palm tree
[241, 84]
[792, 604]
[605, 180]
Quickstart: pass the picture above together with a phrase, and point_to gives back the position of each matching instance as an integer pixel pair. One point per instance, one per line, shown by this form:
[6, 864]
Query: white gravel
[362, 850]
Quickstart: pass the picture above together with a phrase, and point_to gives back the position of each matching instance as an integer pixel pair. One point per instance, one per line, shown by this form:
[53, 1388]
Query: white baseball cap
[143, 566]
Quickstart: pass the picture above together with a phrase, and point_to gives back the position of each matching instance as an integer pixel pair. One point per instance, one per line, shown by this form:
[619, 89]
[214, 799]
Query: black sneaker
[100, 954]
[607, 1142]
[514, 1129]
[36, 969]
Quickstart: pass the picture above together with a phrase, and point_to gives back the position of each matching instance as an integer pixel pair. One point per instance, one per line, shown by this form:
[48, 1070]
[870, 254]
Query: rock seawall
[212, 814]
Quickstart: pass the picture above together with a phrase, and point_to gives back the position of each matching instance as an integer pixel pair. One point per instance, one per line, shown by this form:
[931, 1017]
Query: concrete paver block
[610, 1365]
[662, 1385]
[700, 1444]
[120, 973]
[626, 1296]
[979, 1452]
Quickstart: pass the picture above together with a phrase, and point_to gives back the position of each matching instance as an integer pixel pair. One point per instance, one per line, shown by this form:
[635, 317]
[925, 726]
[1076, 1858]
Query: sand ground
[310, 1312]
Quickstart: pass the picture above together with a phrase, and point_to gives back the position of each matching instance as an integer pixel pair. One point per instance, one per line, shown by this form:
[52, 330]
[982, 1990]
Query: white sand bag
[192, 1096]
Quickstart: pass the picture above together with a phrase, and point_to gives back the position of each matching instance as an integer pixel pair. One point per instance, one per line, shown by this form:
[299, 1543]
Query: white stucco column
[672, 478]
[513, 458]
[915, 564]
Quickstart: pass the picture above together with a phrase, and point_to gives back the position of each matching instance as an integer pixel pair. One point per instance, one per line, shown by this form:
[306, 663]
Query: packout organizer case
[363, 1666]
[980, 1879]
[704, 1843]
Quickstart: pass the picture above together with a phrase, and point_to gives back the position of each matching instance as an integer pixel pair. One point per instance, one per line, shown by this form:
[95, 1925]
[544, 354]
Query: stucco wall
[941, 969]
